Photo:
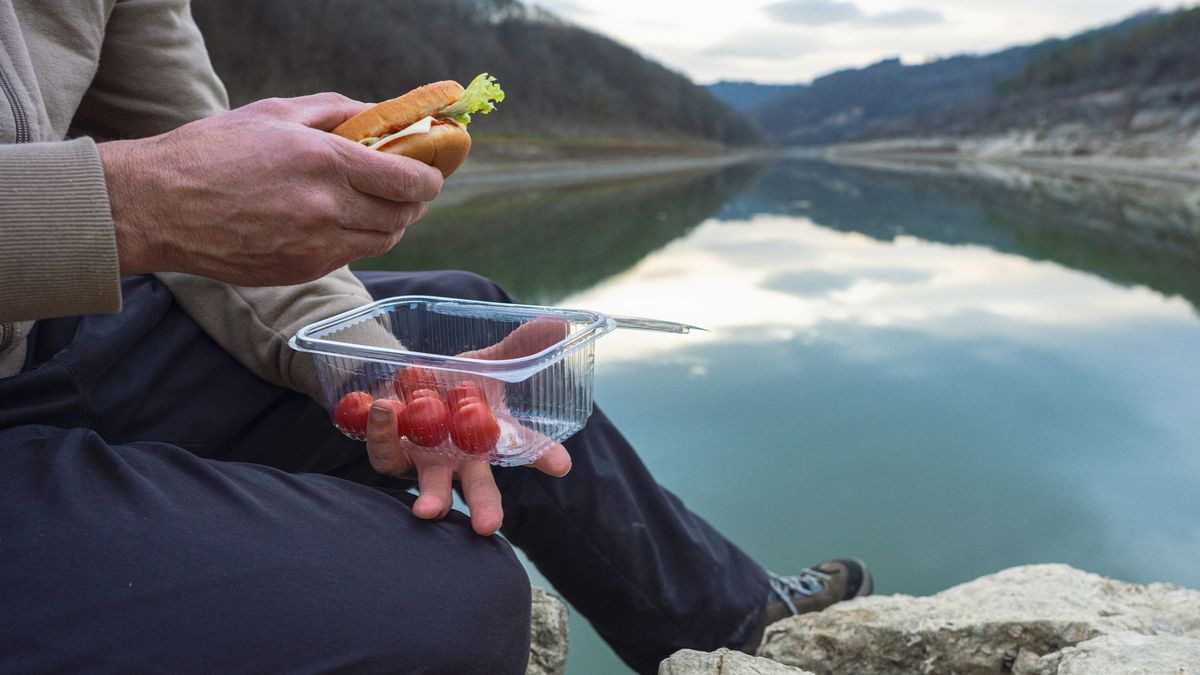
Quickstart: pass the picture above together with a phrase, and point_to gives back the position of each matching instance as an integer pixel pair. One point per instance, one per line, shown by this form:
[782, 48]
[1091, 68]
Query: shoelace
[808, 582]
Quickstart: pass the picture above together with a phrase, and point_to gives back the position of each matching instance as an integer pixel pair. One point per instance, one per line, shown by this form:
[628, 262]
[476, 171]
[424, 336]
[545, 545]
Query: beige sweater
[78, 69]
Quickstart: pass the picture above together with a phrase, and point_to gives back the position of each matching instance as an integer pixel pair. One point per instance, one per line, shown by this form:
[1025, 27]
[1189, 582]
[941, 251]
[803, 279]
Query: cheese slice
[419, 127]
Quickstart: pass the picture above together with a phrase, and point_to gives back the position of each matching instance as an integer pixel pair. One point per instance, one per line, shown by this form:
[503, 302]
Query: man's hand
[435, 473]
[261, 195]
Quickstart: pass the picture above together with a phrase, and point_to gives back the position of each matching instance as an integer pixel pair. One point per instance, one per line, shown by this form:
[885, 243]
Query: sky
[790, 41]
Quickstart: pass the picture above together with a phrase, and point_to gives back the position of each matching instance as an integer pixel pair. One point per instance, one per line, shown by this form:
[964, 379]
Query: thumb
[383, 443]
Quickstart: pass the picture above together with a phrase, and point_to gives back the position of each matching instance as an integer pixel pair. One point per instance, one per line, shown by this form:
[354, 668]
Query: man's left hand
[435, 472]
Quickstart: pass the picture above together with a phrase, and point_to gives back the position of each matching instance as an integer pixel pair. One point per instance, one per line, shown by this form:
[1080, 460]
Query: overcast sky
[796, 40]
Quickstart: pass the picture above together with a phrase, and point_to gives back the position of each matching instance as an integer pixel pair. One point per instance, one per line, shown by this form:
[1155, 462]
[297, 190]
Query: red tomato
[431, 393]
[466, 401]
[408, 380]
[474, 428]
[463, 391]
[351, 412]
[425, 421]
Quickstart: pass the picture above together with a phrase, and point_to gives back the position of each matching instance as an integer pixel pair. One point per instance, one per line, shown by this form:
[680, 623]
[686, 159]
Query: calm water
[942, 374]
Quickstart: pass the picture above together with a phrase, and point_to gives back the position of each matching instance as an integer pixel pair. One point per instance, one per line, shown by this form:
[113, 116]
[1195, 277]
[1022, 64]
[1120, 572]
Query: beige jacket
[77, 69]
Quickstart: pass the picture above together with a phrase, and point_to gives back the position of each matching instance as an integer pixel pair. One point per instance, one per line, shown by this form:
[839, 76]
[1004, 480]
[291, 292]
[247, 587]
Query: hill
[858, 103]
[561, 80]
[1163, 48]
[970, 94]
[746, 96]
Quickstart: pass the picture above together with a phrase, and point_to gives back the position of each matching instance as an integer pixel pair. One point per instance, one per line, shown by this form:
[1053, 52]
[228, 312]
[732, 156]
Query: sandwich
[428, 124]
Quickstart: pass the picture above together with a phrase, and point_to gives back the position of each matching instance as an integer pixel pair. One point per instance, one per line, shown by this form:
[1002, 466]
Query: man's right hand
[261, 195]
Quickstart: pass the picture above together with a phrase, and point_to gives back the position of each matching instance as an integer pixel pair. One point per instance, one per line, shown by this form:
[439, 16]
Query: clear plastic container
[530, 366]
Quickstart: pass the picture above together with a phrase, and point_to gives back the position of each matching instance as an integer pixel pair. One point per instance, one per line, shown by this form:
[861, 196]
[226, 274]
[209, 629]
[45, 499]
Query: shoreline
[1162, 170]
[494, 173]
[581, 169]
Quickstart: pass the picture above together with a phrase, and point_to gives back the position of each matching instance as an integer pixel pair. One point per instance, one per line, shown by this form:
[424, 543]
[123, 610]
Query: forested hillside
[852, 104]
[561, 80]
[1164, 49]
[749, 95]
[1145, 63]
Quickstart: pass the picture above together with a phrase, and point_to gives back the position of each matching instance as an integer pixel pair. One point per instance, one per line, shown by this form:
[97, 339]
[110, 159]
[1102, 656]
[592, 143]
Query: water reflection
[1131, 232]
[543, 243]
[943, 373]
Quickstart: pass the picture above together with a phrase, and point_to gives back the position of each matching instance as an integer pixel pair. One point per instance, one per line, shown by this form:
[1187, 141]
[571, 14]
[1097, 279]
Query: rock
[722, 662]
[549, 635]
[1123, 653]
[998, 623]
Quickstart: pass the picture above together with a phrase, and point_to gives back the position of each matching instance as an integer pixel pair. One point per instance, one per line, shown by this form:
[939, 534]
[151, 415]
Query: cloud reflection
[737, 279]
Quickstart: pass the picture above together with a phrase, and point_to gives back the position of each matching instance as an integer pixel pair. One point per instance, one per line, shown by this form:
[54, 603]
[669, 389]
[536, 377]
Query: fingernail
[378, 413]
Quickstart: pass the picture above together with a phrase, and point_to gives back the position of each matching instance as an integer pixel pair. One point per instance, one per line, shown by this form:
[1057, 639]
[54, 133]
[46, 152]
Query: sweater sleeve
[155, 75]
[255, 324]
[56, 232]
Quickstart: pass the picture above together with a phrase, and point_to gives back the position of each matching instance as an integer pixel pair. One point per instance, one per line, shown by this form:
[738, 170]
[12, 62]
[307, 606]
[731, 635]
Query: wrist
[126, 176]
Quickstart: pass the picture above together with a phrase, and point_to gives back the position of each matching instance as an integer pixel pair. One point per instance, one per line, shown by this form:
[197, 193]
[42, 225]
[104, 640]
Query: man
[172, 496]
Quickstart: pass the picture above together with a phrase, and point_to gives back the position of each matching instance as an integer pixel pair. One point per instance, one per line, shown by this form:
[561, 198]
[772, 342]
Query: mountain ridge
[967, 94]
[561, 80]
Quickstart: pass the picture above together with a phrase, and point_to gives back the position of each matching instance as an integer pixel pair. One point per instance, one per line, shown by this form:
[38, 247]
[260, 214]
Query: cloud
[907, 17]
[763, 45]
[813, 12]
[826, 12]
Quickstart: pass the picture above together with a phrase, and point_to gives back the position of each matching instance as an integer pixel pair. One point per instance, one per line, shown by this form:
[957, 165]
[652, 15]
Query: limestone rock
[999, 623]
[722, 662]
[1123, 653]
[548, 643]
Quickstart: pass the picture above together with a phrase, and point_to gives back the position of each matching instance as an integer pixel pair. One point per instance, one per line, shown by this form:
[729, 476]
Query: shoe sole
[868, 584]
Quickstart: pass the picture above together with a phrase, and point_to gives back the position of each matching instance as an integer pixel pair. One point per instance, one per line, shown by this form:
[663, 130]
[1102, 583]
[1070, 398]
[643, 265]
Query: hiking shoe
[812, 590]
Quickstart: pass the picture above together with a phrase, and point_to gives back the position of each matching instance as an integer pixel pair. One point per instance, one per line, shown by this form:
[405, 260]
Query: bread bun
[446, 145]
[444, 148]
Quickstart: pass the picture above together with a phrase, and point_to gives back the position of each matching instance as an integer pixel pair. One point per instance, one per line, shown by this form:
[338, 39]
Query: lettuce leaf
[478, 97]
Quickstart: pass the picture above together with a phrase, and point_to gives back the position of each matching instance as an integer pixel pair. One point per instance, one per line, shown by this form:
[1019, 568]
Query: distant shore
[534, 164]
[984, 152]
[574, 165]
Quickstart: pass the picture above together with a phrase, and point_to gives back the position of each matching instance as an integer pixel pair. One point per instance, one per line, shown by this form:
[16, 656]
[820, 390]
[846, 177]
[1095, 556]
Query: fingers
[533, 337]
[383, 443]
[482, 496]
[392, 177]
[528, 338]
[363, 212]
[433, 481]
[320, 111]
[556, 462]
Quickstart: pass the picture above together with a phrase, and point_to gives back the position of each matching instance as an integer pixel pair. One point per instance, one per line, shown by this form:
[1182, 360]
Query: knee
[476, 618]
[468, 286]
[446, 283]
[497, 612]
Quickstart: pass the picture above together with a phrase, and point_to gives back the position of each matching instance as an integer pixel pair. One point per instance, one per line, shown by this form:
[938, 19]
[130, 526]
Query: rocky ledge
[1032, 620]
[548, 635]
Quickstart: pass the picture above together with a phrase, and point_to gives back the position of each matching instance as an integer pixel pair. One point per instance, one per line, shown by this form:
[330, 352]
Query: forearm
[254, 324]
[57, 238]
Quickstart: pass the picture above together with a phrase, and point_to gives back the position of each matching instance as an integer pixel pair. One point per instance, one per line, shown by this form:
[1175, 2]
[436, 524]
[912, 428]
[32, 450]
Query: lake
[944, 372]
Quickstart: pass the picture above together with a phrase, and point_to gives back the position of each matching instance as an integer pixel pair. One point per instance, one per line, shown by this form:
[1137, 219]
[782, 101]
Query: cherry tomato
[474, 428]
[463, 391]
[465, 401]
[431, 393]
[408, 380]
[351, 412]
[425, 421]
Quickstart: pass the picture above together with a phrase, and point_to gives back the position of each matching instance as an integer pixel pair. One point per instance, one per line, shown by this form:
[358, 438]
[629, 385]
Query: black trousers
[163, 509]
